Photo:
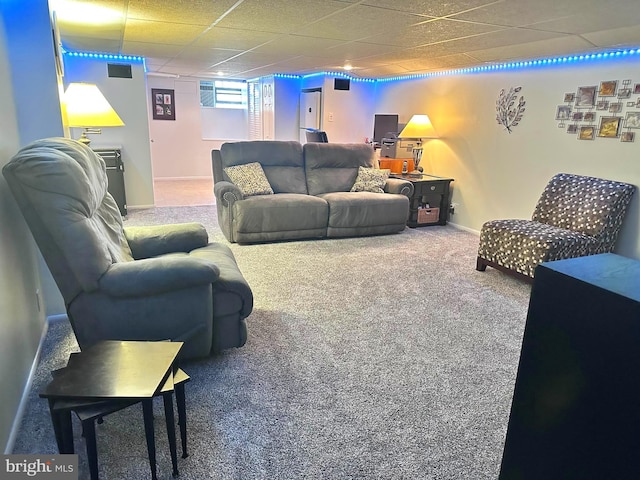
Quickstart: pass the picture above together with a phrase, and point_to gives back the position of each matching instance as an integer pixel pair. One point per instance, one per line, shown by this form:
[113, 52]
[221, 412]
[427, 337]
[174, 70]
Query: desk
[112, 375]
[428, 190]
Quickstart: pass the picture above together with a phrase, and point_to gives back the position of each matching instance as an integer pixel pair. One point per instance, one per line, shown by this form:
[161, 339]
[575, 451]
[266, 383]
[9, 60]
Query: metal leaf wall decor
[509, 113]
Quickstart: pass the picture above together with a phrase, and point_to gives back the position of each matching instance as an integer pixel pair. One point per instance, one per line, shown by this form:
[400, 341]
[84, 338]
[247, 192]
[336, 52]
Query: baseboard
[466, 229]
[27, 388]
[173, 179]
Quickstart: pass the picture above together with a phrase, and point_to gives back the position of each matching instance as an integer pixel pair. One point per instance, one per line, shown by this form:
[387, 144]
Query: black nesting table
[113, 375]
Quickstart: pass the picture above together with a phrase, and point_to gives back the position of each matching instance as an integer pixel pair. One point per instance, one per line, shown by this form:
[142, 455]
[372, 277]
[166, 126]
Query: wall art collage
[609, 110]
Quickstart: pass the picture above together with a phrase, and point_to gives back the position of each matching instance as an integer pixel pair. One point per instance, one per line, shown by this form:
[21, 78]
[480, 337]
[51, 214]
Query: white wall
[128, 98]
[501, 175]
[29, 111]
[178, 149]
[347, 115]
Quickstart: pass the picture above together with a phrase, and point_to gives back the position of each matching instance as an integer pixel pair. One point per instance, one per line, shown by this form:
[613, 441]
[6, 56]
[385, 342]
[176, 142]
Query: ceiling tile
[553, 47]
[161, 32]
[429, 7]
[279, 16]
[358, 22]
[194, 12]
[236, 38]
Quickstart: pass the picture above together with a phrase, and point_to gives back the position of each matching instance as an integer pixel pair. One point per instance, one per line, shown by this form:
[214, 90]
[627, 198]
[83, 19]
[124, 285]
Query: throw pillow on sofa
[250, 178]
[370, 180]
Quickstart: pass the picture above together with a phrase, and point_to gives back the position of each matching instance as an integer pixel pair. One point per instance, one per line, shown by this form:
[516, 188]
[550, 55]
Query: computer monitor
[384, 124]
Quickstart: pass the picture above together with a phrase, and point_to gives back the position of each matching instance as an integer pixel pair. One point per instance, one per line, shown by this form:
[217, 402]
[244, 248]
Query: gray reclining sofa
[308, 194]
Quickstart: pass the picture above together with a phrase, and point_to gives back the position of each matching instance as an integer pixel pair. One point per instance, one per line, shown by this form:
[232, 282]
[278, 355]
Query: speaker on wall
[119, 70]
[341, 83]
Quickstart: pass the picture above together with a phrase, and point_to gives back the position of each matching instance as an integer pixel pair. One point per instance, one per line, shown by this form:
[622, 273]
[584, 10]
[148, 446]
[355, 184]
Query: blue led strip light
[615, 54]
[106, 56]
[523, 64]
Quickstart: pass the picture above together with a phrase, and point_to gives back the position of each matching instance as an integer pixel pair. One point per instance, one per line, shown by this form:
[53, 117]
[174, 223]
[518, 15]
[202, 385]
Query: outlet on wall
[330, 115]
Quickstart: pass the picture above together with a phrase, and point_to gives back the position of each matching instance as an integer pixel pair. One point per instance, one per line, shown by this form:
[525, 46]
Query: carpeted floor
[368, 358]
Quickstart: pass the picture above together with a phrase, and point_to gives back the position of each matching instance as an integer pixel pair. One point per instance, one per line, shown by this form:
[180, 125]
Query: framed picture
[589, 116]
[632, 120]
[162, 102]
[636, 88]
[586, 97]
[608, 88]
[577, 116]
[573, 128]
[627, 136]
[563, 112]
[624, 93]
[569, 97]
[609, 127]
[586, 133]
[602, 105]
[615, 107]
[631, 104]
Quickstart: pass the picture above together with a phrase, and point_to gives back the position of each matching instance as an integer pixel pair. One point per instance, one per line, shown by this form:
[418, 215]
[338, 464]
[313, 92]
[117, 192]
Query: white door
[310, 103]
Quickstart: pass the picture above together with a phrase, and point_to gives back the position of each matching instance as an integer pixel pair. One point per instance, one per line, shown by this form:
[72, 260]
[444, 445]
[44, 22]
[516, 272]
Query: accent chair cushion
[370, 180]
[250, 178]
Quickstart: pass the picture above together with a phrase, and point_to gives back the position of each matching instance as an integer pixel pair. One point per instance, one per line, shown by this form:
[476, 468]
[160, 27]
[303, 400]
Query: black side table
[113, 375]
[429, 204]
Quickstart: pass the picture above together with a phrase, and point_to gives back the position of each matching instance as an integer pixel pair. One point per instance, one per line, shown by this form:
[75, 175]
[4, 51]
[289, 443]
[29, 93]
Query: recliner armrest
[226, 193]
[398, 185]
[151, 241]
[154, 276]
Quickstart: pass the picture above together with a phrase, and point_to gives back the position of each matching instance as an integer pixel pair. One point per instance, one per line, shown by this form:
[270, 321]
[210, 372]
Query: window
[223, 94]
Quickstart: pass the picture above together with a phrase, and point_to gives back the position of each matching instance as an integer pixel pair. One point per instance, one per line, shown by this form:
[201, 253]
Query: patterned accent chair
[576, 216]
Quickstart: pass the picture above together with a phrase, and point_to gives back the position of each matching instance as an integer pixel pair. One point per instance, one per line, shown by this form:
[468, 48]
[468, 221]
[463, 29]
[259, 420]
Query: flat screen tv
[383, 124]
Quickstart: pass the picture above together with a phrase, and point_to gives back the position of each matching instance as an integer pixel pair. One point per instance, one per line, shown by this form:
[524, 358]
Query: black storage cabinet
[115, 175]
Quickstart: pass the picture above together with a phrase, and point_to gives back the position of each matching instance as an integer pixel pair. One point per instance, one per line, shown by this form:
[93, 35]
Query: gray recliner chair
[137, 283]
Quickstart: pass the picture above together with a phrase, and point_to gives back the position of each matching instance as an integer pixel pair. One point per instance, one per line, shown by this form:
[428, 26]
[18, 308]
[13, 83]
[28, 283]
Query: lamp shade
[419, 127]
[85, 106]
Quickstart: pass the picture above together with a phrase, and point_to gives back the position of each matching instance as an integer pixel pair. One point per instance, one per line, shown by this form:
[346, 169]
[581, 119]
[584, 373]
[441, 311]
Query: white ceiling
[379, 38]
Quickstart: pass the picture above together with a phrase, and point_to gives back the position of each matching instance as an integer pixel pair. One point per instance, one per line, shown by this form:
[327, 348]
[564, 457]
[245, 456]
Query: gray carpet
[382, 357]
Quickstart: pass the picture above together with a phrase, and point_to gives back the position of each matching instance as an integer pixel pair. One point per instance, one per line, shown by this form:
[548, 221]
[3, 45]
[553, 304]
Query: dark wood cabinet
[429, 204]
[115, 176]
[575, 412]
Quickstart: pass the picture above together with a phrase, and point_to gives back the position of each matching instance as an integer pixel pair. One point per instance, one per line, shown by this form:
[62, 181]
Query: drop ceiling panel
[357, 23]
[626, 36]
[152, 49]
[546, 48]
[299, 45]
[161, 32]
[594, 20]
[429, 7]
[193, 12]
[526, 12]
[431, 33]
[236, 38]
[279, 16]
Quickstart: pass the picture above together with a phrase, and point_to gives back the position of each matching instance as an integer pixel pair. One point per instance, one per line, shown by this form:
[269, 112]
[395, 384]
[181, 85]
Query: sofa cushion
[365, 213]
[370, 180]
[333, 167]
[250, 178]
[283, 212]
[281, 161]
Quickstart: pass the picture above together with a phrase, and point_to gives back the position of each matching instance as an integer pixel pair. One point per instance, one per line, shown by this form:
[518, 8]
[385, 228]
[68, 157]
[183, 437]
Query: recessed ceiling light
[348, 66]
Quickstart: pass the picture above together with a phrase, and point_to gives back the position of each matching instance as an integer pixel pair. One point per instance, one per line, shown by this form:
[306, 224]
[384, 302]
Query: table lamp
[419, 127]
[86, 108]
